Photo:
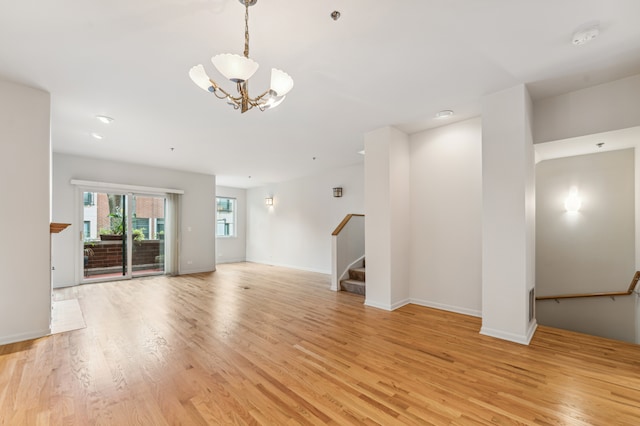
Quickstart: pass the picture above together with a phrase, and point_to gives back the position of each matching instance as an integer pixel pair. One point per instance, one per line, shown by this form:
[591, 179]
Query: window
[226, 217]
[141, 223]
[159, 228]
[88, 199]
[87, 229]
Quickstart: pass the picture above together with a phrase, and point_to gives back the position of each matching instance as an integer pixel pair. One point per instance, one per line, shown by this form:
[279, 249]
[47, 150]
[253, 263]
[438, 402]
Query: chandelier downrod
[246, 28]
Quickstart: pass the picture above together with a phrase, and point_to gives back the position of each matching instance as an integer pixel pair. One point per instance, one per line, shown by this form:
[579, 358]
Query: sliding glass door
[123, 235]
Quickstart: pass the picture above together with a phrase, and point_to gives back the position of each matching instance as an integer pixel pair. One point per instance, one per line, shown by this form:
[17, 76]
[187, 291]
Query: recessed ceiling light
[104, 119]
[97, 136]
[585, 35]
[446, 113]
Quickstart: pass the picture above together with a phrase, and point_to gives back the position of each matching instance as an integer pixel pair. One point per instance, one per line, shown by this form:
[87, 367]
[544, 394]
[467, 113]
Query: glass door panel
[147, 229]
[104, 236]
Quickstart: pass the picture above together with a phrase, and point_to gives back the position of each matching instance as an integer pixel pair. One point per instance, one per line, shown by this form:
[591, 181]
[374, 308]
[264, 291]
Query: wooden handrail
[344, 222]
[632, 287]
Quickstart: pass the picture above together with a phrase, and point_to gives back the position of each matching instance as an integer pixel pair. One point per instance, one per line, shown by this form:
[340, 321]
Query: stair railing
[347, 247]
[612, 294]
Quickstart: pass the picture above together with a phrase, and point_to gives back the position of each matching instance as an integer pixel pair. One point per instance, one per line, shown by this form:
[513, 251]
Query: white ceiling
[590, 144]
[383, 63]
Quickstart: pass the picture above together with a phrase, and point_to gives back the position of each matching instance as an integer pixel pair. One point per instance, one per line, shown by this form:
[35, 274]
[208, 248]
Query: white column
[25, 179]
[387, 223]
[508, 215]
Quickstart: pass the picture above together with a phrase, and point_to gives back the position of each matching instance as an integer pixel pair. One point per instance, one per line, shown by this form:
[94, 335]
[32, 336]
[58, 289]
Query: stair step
[357, 274]
[353, 286]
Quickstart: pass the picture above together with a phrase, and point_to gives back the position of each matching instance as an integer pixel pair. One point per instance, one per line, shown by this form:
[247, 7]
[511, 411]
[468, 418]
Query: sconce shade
[268, 201]
[337, 192]
[573, 202]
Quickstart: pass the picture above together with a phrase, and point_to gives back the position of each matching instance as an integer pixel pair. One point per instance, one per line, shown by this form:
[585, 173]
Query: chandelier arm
[234, 101]
[258, 98]
[217, 88]
[255, 102]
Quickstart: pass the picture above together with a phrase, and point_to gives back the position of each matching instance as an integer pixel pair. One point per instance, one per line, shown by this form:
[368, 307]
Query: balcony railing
[102, 257]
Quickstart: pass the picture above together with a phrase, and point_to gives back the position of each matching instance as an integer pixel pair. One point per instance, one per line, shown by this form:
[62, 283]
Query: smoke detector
[585, 35]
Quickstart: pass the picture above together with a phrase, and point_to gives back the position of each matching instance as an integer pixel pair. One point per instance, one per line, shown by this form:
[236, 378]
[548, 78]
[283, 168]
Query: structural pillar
[508, 216]
[387, 223]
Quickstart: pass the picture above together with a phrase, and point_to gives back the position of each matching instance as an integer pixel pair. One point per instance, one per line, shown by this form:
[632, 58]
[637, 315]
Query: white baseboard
[284, 265]
[516, 338]
[385, 306]
[195, 271]
[239, 260]
[400, 304]
[377, 305]
[65, 285]
[5, 340]
[450, 308]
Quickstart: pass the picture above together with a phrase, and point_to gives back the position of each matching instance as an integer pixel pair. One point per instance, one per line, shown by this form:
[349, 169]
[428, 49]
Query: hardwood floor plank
[260, 345]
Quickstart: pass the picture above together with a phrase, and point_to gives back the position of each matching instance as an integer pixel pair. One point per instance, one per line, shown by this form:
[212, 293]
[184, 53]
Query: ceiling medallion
[239, 70]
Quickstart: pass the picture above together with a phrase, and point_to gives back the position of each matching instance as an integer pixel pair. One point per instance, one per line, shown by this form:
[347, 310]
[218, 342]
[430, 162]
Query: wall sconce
[337, 192]
[573, 202]
[268, 201]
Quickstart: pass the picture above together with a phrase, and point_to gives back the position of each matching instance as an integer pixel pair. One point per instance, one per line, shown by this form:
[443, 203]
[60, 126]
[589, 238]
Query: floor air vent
[532, 304]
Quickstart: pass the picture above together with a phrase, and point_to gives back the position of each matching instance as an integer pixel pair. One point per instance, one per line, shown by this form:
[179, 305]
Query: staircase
[356, 282]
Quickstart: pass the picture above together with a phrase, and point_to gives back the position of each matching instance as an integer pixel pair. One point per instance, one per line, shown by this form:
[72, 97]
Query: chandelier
[239, 70]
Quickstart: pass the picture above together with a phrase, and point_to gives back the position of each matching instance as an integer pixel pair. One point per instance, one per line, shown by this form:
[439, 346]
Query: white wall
[296, 231]
[598, 316]
[197, 220]
[591, 251]
[25, 287]
[601, 108]
[446, 217]
[234, 249]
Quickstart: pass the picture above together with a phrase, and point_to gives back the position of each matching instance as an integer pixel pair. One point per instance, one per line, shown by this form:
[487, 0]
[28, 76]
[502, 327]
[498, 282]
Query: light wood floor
[253, 344]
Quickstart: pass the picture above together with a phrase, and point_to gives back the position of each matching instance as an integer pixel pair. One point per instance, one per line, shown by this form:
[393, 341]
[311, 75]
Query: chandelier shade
[200, 77]
[281, 82]
[235, 67]
[239, 69]
[272, 101]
